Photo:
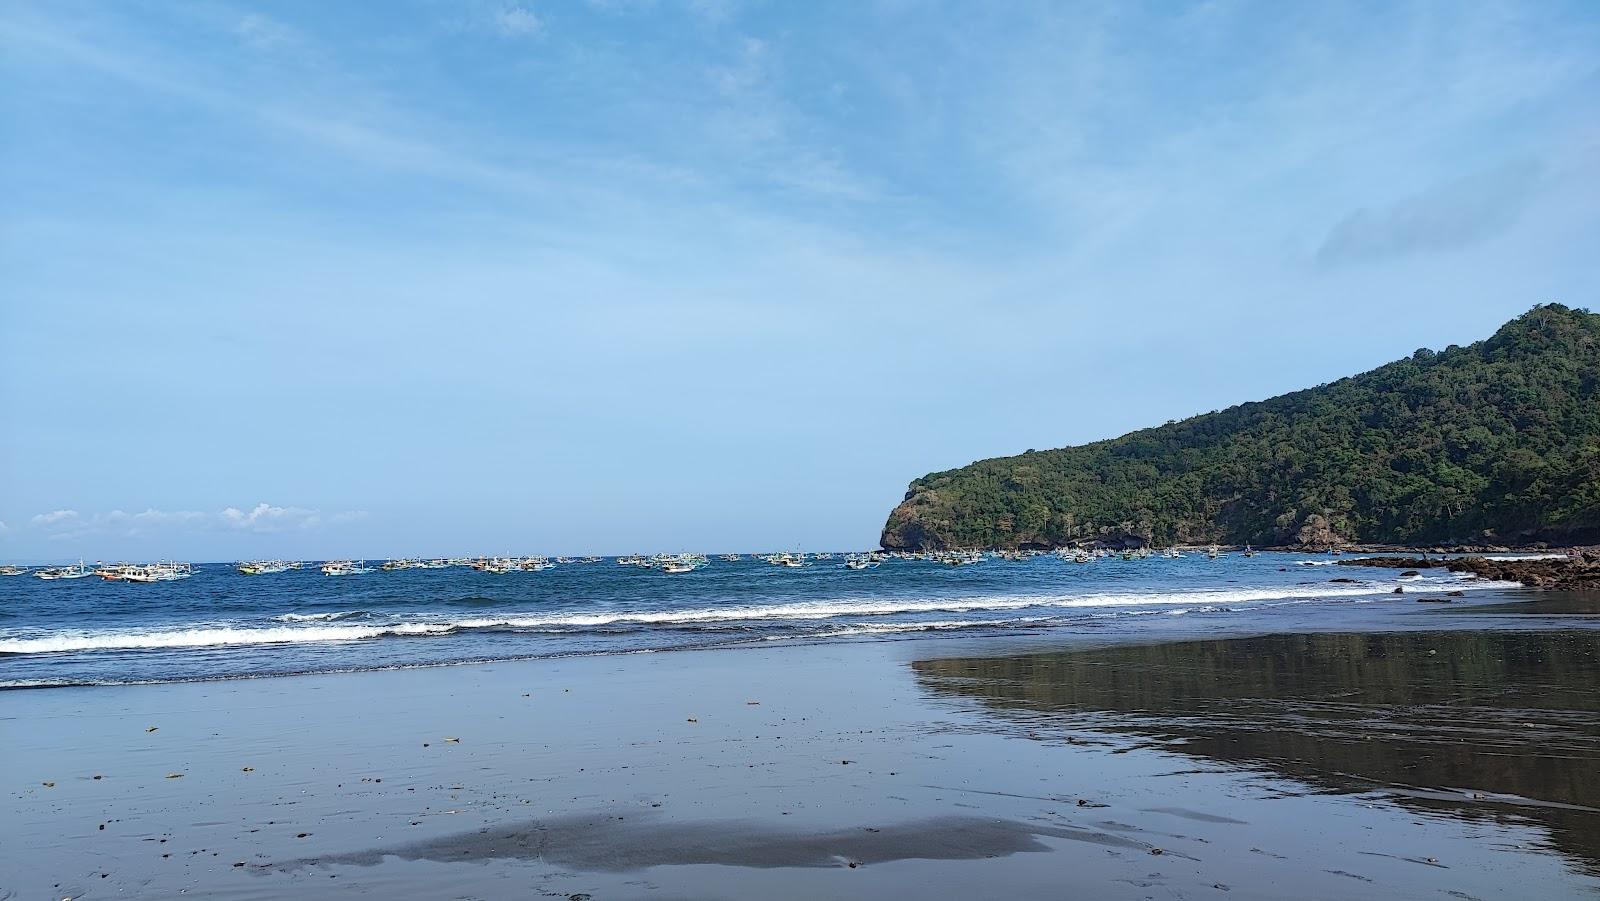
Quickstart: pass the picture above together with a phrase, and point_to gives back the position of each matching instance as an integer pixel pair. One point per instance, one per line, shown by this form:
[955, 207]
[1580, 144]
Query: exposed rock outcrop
[1577, 572]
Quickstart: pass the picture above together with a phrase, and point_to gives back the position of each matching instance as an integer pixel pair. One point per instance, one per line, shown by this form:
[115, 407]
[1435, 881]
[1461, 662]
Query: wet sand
[1425, 764]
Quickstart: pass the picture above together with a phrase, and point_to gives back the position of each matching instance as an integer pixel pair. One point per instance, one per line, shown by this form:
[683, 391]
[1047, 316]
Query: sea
[221, 623]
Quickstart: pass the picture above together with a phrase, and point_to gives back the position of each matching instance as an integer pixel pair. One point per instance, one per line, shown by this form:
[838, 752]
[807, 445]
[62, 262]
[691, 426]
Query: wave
[335, 626]
[332, 616]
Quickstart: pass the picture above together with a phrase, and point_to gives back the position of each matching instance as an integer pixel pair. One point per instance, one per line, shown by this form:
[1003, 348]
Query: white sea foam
[326, 628]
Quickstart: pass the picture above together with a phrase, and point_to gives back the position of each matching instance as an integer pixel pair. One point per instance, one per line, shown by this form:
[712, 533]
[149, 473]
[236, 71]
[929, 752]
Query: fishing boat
[12, 570]
[345, 568]
[266, 567]
[155, 572]
[65, 572]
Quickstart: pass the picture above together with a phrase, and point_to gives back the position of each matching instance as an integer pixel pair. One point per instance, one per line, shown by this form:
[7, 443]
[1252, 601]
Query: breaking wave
[361, 625]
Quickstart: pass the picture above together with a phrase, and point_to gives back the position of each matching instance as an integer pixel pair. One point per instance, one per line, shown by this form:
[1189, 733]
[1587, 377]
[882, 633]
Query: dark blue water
[221, 623]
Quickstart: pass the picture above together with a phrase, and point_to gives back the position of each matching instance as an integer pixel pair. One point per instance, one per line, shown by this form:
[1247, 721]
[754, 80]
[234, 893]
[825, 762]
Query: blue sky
[320, 279]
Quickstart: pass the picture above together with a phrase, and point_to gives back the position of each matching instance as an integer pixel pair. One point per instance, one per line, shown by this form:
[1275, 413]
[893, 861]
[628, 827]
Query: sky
[314, 279]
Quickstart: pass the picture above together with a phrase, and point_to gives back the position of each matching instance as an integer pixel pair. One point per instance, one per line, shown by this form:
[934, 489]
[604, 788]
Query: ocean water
[222, 624]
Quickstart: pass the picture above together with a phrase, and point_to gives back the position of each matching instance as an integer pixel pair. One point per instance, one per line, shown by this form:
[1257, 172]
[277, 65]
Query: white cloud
[265, 33]
[263, 517]
[56, 518]
[516, 21]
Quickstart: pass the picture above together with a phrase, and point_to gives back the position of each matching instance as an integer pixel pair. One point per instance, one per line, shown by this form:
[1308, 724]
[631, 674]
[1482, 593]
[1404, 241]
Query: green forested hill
[1496, 442]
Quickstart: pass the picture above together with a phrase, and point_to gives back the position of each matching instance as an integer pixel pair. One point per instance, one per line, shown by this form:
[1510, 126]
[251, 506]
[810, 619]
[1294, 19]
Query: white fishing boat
[12, 570]
[345, 568]
[65, 572]
[156, 572]
[266, 567]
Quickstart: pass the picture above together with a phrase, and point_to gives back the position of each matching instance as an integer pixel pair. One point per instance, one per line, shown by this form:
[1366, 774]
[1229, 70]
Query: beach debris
[152, 729]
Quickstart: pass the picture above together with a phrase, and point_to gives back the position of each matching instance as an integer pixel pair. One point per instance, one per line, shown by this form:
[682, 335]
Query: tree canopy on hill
[1496, 442]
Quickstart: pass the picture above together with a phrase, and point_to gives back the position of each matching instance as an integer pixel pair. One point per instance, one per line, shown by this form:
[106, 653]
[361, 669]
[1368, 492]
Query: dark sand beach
[1454, 753]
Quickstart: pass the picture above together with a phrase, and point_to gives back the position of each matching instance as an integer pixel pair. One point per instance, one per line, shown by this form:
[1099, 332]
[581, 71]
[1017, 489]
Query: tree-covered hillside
[1496, 442]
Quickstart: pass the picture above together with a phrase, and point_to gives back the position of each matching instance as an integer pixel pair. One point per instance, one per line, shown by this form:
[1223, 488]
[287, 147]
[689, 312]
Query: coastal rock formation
[1580, 572]
[1493, 444]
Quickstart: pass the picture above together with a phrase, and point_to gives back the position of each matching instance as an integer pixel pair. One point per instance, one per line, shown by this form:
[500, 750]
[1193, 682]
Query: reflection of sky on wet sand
[1499, 727]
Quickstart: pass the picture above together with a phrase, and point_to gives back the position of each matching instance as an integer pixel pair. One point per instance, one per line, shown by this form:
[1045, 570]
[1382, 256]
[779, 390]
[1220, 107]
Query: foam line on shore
[326, 628]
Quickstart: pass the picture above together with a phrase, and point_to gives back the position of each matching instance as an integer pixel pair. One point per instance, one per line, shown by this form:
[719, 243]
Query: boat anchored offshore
[65, 572]
[266, 567]
[145, 572]
[345, 568]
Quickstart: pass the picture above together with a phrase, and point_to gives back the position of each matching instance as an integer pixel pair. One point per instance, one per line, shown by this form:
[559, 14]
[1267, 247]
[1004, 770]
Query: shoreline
[1308, 605]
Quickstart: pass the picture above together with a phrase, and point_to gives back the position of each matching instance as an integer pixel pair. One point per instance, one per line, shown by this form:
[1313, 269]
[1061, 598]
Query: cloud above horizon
[263, 518]
[1448, 216]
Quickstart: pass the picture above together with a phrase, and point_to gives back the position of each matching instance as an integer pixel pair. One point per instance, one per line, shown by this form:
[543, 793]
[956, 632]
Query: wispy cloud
[265, 517]
[1445, 217]
[55, 518]
[262, 518]
[263, 32]
[514, 20]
